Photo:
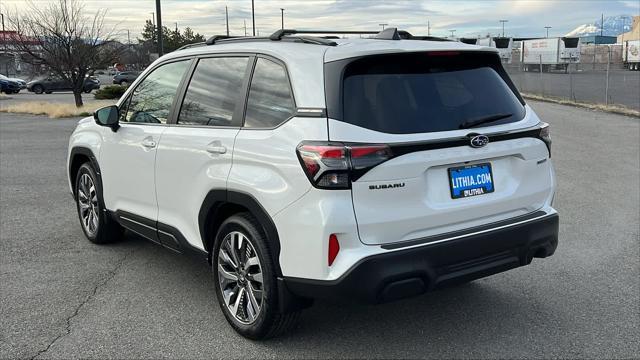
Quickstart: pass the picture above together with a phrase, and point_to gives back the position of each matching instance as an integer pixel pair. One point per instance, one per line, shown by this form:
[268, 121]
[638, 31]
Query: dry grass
[4, 96]
[54, 110]
[617, 109]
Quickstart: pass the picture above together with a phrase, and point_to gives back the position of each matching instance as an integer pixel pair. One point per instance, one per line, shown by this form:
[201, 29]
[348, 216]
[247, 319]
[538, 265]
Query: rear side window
[270, 100]
[426, 92]
[213, 92]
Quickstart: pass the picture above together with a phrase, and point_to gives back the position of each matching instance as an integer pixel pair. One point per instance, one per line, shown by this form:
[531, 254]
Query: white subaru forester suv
[306, 167]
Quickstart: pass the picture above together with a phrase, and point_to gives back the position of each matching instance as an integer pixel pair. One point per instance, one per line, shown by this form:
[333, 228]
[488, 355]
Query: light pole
[383, 25]
[547, 27]
[453, 33]
[159, 22]
[282, 18]
[503, 21]
[226, 16]
[253, 17]
[428, 28]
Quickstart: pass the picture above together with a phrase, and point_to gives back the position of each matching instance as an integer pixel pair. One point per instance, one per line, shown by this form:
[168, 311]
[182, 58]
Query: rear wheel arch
[219, 205]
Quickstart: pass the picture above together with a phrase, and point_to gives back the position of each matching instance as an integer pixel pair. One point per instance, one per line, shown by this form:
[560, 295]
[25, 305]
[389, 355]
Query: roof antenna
[388, 34]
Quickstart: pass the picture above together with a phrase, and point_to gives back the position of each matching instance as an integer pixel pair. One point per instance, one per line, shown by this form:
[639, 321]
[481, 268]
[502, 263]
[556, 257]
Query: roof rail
[191, 45]
[282, 34]
[278, 35]
[215, 38]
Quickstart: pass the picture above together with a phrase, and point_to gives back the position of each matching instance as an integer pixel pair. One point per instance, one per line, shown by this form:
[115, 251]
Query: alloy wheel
[240, 277]
[88, 204]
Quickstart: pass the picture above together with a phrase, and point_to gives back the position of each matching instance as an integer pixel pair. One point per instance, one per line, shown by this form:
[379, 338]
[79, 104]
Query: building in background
[11, 58]
[634, 34]
[598, 40]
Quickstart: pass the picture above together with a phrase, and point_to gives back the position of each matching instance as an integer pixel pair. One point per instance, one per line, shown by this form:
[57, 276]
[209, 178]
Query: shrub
[54, 110]
[110, 92]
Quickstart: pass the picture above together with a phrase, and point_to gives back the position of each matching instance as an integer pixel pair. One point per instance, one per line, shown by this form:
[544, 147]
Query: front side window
[213, 92]
[270, 100]
[152, 98]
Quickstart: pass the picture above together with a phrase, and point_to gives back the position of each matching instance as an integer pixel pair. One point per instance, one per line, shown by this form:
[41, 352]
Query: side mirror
[107, 116]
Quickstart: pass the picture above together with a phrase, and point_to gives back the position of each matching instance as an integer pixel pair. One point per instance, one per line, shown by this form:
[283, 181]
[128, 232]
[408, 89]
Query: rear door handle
[149, 143]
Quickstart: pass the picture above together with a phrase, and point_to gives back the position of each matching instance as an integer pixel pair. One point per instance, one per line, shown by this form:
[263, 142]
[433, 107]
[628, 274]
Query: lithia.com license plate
[471, 180]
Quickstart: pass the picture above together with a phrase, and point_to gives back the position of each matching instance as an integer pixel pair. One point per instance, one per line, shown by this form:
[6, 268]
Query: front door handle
[149, 143]
[216, 147]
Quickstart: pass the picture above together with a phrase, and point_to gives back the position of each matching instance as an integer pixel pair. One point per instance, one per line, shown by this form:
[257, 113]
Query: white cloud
[468, 18]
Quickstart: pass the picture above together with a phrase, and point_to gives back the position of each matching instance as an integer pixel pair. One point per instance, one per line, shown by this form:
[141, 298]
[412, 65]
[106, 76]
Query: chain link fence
[599, 78]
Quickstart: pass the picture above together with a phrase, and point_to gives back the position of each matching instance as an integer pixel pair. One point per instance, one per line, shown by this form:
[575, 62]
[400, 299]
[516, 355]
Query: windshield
[426, 92]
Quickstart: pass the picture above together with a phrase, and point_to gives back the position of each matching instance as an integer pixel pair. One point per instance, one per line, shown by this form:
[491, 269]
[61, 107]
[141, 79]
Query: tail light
[545, 135]
[336, 165]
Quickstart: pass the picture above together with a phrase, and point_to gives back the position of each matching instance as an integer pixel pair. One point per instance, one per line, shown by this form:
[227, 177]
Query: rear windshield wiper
[483, 120]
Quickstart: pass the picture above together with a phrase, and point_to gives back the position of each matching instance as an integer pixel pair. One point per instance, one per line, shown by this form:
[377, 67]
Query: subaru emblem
[479, 141]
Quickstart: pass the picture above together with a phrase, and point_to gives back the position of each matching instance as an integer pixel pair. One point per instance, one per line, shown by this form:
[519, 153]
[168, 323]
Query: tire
[124, 83]
[244, 230]
[48, 92]
[96, 224]
[87, 91]
[38, 89]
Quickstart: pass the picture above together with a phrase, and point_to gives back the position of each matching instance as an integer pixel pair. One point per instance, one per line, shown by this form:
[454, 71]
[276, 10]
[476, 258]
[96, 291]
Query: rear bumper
[403, 273]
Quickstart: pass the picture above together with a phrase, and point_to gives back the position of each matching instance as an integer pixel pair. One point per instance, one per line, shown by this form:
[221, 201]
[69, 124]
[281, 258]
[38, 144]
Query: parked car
[54, 83]
[304, 167]
[8, 86]
[126, 77]
[21, 83]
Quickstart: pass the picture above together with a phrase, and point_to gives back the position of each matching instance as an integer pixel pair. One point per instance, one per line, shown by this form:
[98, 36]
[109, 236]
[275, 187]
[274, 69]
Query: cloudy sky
[468, 18]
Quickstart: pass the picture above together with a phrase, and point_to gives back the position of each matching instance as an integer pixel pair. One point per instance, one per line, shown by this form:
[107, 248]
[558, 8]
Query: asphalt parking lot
[63, 297]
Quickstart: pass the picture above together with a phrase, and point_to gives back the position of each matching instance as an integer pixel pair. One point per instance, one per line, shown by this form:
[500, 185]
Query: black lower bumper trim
[409, 272]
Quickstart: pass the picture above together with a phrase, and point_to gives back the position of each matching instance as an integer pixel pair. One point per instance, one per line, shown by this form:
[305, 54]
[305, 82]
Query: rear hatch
[451, 154]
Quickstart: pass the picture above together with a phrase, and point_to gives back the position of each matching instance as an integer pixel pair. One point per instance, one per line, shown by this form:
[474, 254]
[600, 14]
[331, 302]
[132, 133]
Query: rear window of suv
[422, 92]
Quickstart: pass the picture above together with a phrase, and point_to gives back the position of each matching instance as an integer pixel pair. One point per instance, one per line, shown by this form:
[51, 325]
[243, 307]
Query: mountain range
[612, 26]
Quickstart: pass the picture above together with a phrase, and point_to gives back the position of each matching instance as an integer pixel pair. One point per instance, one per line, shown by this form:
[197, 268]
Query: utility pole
[176, 26]
[245, 27]
[601, 25]
[428, 28]
[226, 15]
[253, 17]
[4, 34]
[128, 38]
[547, 27]
[159, 22]
[453, 33]
[503, 21]
[383, 25]
[282, 18]
[153, 19]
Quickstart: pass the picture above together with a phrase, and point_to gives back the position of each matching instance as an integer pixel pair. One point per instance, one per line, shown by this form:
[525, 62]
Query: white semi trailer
[631, 54]
[503, 44]
[550, 53]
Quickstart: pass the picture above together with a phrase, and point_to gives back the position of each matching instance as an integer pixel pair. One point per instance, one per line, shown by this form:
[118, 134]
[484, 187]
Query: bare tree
[64, 38]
